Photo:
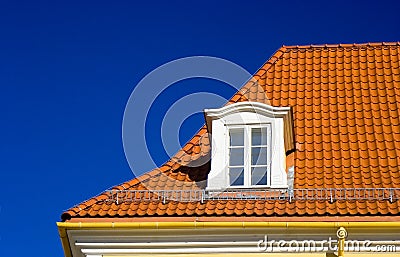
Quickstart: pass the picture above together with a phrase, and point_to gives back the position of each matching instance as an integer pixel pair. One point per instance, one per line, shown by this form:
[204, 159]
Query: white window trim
[247, 154]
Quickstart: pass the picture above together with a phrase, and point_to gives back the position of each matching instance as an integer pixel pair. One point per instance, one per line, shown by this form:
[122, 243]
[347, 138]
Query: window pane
[236, 157]
[259, 176]
[236, 137]
[236, 176]
[259, 136]
[259, 156]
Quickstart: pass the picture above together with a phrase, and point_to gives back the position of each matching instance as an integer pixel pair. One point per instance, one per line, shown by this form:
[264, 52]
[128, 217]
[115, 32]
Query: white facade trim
[90, 243]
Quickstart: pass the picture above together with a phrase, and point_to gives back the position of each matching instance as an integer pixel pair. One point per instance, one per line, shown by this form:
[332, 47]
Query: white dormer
[249, 145]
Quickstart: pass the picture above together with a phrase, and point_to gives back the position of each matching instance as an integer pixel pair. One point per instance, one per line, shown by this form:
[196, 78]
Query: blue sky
[67, 70]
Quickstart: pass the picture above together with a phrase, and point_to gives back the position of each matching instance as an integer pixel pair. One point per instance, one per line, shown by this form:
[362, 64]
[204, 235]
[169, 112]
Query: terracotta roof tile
[345, 101]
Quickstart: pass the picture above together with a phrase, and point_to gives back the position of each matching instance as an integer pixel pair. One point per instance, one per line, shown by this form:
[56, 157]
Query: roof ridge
[268, 64]
[343, 45]
[259, 73]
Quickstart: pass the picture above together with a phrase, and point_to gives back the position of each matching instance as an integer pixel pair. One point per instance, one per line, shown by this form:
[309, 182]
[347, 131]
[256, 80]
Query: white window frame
[247, 162]
[249, 114]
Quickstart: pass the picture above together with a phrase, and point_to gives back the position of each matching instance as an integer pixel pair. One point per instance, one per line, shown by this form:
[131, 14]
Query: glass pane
[259, 136]
[236, 157]
[259, 176]
[236, 137]
[236, 176]
[259, 156]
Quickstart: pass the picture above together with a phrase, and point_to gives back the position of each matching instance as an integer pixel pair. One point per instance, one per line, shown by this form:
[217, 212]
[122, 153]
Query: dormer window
[249, 145]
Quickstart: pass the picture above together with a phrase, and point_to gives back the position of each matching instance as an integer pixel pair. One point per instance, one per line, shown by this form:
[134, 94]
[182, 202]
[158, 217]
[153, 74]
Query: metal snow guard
[331, 194]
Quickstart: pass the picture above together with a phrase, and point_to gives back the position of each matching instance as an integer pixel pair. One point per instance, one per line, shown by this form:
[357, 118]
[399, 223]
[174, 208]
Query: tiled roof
[345, 101]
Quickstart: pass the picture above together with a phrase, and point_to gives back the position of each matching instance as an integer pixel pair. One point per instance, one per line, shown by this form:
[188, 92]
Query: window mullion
[269, 153]
[247, 161]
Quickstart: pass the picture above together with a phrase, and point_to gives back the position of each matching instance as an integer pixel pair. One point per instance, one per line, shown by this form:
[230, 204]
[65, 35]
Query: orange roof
[346, 102]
